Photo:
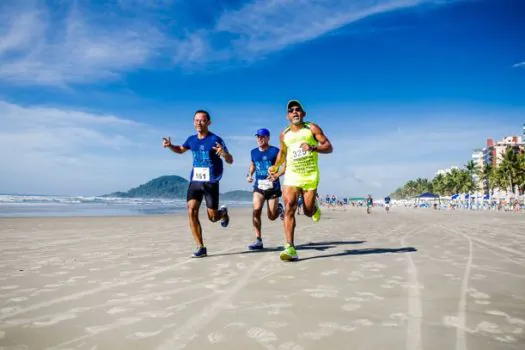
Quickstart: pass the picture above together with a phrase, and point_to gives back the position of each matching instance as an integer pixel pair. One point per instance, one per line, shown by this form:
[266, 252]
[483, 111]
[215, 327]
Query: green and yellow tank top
[301, 166]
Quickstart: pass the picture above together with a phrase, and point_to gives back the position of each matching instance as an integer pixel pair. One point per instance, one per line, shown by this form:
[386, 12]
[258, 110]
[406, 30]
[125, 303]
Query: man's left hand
[219, 150]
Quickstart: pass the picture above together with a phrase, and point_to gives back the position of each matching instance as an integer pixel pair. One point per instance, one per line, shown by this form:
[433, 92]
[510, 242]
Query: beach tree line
[508, 176]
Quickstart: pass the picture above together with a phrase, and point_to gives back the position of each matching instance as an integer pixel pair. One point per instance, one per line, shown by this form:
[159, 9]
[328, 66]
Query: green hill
[172, 186]
[237, 196]
[169, 186]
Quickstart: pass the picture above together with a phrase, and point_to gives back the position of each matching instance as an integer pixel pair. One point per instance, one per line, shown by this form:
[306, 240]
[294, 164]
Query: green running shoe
[289, 253]
[317, 215]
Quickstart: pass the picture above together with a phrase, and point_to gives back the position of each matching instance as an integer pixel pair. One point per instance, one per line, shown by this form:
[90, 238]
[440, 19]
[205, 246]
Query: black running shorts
[269, 194]
[208, 190]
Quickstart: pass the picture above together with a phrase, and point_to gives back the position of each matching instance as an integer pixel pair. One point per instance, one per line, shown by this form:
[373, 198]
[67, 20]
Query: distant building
[494, 151]
[478, 159]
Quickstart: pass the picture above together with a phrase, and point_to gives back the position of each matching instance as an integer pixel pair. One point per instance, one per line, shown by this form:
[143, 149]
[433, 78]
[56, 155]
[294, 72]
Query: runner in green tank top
[301, 143]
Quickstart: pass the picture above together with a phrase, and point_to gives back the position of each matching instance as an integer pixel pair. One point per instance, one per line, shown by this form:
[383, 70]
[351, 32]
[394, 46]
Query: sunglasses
[294, 109]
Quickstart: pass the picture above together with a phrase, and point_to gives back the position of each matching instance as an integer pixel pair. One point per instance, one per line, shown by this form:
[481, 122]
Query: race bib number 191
[201, 174]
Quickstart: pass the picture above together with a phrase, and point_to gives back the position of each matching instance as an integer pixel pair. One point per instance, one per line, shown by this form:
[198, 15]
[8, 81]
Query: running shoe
[289, 253]
[201, 252]
[257, 245]
[317, 215]
[225, 221]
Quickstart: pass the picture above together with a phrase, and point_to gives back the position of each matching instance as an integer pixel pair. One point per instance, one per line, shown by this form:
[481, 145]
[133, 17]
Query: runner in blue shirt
[208, 151]
[265, 188]
[387, 203]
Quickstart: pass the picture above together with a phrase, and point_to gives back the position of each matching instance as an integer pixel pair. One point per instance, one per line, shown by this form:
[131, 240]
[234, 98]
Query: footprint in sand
[142, 335]
[17, 300]
[216, 337]
[6, 310]
[330, 273]
[488, 327]
[506, 339]
[275, 324]
[364, 322]
[371, 295]
[481, 298]
[238, 325]
[389, 324]
[9, 287]
[351, 307]
[261, 335]
[355, 299]
[323, 292]
[290, 346]
[54, 320]
[511, 320]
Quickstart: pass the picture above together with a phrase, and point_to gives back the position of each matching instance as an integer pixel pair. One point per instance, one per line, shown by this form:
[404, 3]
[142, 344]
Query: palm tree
[454, 179]
[486, 173]
[410, 188]
[470, 184]
[508, 170]
[438, 184]
[510, 173]
[520, 181]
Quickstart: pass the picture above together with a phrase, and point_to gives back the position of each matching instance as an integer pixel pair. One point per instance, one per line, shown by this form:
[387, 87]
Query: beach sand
[411, 279]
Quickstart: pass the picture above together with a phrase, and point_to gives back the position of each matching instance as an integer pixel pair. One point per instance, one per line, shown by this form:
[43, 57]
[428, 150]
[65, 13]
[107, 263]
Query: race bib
[298, 153]
[265, 185]
[201, 174]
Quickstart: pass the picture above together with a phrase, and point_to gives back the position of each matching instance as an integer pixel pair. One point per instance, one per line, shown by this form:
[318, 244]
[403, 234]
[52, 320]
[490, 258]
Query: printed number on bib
[299, 153]
[201, 174]
[265, 185]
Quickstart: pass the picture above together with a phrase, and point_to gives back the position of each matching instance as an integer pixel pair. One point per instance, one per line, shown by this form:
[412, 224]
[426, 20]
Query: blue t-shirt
[207, 165]
[262, 161]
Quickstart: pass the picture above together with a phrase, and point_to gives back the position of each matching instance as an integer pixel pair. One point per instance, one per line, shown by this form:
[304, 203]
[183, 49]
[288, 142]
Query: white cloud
[38, 48]
[63, 151]
[85, 42]
[520, 64]
[264, 27]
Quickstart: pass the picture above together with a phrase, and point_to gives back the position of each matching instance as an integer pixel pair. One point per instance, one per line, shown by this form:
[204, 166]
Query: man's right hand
[249, 179]
[166, 142]
[272, 170]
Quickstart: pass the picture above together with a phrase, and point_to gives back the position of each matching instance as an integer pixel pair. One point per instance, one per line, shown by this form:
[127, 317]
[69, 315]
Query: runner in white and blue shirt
[265, 189]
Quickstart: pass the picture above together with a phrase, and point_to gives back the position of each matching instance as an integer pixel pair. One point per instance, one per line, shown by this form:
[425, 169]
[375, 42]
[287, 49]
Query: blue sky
[402, 88]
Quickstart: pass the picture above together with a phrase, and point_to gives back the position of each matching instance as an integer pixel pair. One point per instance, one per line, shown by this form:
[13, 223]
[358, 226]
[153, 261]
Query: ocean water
[40, 206]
